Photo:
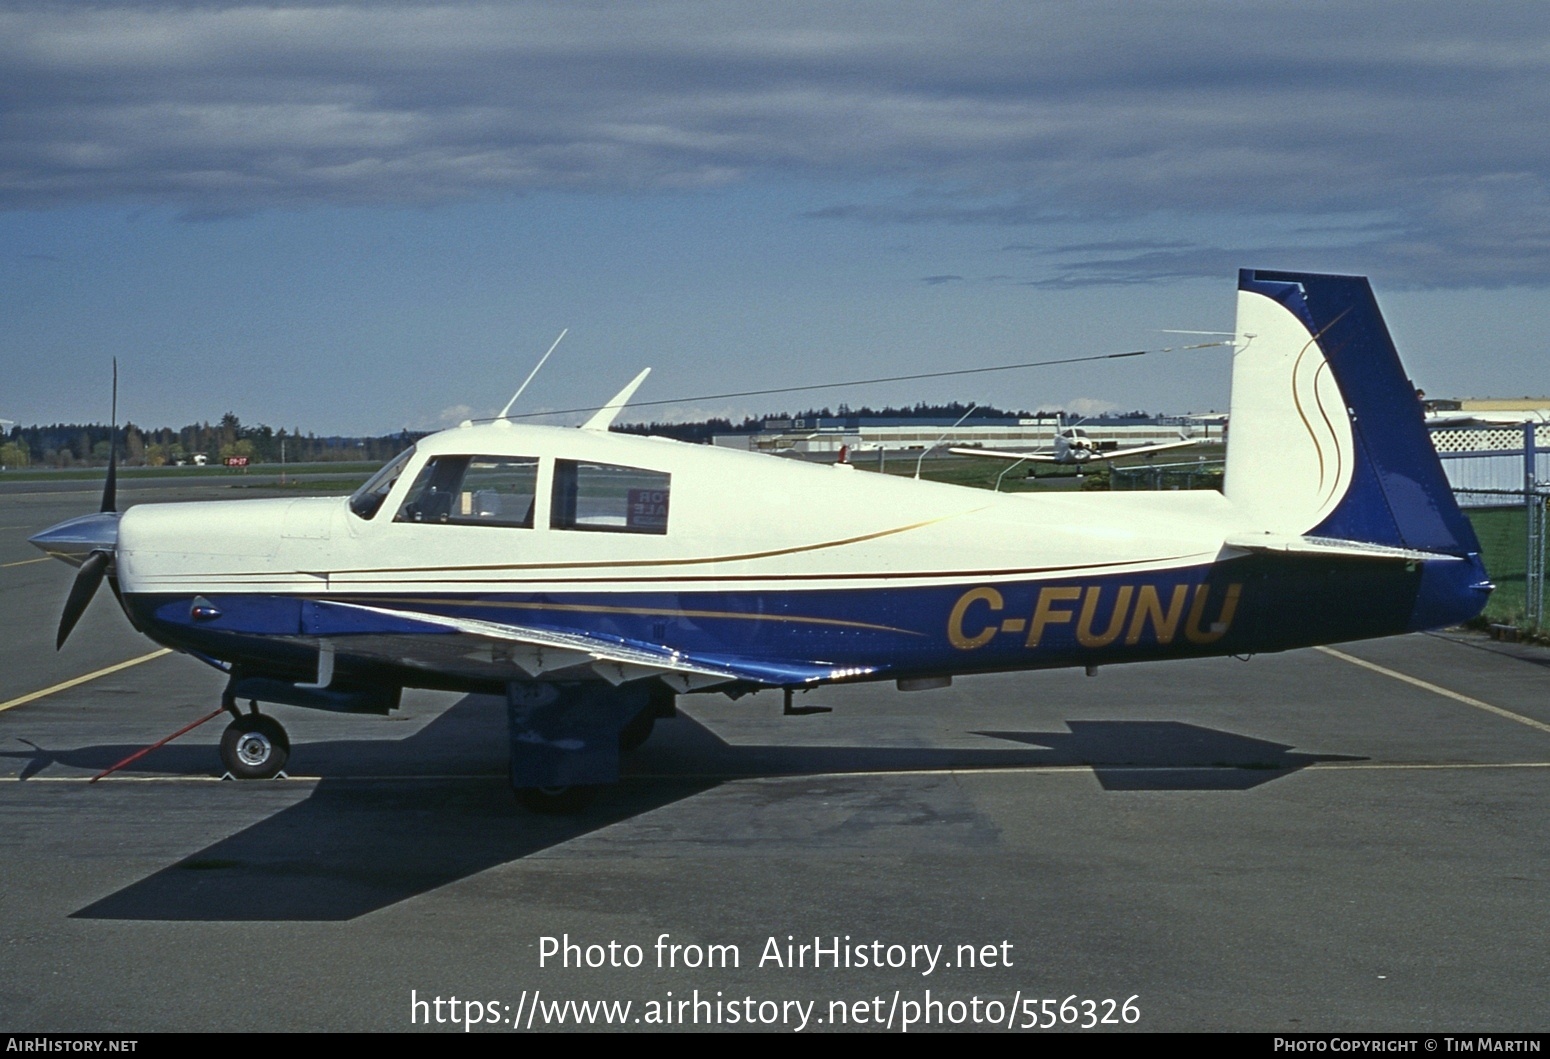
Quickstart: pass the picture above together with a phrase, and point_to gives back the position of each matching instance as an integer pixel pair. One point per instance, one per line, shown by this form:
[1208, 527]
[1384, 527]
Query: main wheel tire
[556, 801]
[634, 735]
[255, 747]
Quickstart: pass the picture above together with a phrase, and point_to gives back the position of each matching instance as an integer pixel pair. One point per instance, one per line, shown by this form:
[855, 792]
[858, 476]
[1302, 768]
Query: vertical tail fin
[1327, 438]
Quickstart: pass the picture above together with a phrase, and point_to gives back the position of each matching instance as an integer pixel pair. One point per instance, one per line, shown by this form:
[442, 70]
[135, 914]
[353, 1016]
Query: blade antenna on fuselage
[536, 367]
[604, 417]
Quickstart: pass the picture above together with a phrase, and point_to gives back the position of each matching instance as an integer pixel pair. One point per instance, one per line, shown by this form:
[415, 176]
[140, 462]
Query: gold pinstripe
[593, 564]
[586, 608]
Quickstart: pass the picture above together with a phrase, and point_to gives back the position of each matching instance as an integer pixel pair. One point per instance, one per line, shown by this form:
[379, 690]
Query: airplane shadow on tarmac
[392, 819]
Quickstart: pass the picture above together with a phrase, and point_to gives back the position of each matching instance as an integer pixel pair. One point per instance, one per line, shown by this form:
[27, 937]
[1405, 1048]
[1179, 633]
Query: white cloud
[1090, 406]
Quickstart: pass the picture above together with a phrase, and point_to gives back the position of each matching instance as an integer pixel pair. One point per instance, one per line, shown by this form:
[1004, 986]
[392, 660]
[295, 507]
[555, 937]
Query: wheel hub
[253, 749]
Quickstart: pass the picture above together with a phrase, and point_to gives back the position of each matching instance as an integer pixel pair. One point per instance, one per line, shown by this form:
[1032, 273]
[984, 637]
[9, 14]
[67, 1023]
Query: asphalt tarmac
[1296, 842]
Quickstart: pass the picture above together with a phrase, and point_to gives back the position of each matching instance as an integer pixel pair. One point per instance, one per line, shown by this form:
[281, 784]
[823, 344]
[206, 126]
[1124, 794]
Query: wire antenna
[872, 382]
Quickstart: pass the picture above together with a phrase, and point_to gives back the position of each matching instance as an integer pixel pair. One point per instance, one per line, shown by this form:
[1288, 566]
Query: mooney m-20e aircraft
[592, 577]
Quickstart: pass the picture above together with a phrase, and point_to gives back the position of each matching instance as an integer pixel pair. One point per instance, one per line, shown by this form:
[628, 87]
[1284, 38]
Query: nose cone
[75, 539]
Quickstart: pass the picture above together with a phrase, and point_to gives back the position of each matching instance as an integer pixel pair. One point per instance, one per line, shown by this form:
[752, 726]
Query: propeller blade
[87, 579]
[110, 487]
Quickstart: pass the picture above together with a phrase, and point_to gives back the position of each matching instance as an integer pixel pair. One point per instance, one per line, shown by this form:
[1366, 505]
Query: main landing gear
[566, 738]
[254, 746]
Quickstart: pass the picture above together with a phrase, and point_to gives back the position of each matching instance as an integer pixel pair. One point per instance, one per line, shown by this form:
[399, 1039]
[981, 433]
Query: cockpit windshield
[368, 498]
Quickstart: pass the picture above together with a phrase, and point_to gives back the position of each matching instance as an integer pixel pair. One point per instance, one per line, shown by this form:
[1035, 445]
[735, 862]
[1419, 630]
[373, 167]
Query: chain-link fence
[1501, 476]
[1195, 474]
[1512, 543]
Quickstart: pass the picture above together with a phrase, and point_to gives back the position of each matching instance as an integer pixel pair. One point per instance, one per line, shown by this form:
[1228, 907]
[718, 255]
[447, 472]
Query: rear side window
[474, 491]
[606, 498]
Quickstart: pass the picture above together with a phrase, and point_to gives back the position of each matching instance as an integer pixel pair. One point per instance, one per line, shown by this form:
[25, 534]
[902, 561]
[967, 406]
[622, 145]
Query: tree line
[88, 444]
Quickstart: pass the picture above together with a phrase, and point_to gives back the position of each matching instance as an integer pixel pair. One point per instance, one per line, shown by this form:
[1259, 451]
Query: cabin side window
[606, 498]
[473, 491]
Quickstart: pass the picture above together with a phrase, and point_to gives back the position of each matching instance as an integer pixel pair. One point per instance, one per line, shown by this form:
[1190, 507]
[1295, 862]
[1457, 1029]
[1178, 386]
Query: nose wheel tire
[255, 747]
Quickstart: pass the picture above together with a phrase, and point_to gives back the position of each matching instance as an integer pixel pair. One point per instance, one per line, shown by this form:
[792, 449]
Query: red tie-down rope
[138, 754]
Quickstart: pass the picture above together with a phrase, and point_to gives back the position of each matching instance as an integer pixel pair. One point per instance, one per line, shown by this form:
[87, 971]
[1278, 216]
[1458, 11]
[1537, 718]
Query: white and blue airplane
[592, 577]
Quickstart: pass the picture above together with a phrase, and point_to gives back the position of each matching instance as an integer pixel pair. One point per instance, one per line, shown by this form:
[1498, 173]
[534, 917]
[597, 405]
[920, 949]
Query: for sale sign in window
[647, 511]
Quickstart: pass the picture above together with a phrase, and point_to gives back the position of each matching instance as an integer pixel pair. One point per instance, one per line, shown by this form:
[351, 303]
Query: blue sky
[356, 217]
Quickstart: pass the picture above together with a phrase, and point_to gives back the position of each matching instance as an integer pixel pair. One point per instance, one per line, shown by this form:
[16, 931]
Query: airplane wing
[408, 638]
[1044, 457]
[998, 454]
[1140, 449]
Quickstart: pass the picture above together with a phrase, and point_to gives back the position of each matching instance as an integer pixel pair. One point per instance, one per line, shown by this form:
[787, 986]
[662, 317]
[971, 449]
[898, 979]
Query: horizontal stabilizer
[1513, 418]
[1330, 547]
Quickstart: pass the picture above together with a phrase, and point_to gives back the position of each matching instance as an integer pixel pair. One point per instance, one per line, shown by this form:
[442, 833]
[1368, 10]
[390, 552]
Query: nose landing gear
[254, 746]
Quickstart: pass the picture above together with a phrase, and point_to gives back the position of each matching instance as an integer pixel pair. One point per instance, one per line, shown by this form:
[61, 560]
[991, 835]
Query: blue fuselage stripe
[1238, 606]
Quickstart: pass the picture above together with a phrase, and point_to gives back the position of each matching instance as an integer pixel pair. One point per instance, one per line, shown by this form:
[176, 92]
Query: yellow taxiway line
[1435, 689]
[77, 681]
[24, 562]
